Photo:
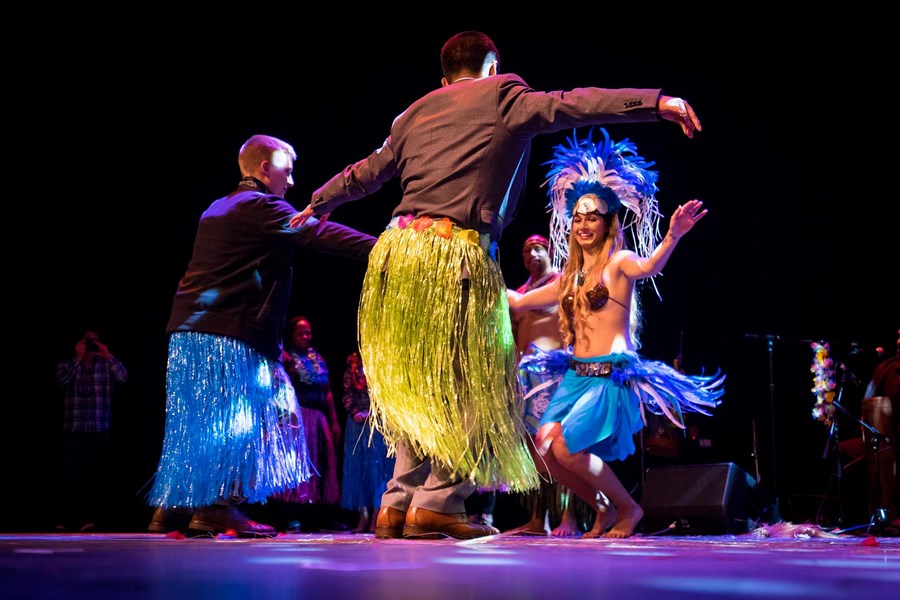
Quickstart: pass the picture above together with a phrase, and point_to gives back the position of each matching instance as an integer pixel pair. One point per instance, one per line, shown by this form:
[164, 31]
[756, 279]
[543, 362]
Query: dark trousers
[84, 475]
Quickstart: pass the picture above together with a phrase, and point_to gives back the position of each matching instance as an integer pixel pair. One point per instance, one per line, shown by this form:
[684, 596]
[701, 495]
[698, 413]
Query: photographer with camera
[88, 379]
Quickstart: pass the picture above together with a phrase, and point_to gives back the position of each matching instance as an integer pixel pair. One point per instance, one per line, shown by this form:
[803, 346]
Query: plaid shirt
[88, 392]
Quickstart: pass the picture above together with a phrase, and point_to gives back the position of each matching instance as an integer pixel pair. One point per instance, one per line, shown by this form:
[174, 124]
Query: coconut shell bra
[597, 298]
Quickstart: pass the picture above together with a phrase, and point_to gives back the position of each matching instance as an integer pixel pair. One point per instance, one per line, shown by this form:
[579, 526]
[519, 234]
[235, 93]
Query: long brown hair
[568, 283]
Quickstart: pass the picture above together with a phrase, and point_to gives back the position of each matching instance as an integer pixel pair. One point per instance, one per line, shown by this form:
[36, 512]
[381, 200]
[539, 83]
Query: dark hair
[295, 320]
[467, 51]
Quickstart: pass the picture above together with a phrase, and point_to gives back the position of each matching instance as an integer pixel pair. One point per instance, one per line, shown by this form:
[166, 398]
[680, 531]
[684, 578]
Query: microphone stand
[831, 449]
[770, 345]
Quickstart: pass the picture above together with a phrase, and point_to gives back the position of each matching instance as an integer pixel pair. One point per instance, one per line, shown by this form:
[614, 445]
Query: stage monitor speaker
[710, 499]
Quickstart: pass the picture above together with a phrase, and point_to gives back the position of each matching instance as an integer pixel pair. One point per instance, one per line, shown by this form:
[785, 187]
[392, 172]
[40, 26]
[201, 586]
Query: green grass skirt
[443, 375]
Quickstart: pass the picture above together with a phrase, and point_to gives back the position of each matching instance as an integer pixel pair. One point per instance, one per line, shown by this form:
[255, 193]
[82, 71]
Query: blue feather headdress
[608, 175]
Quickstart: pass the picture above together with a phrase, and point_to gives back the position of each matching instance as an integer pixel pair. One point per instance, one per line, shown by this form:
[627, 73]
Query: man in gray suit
[434, 327]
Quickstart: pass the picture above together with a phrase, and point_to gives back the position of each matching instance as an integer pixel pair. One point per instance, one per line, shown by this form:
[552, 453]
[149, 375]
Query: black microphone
[851, 377]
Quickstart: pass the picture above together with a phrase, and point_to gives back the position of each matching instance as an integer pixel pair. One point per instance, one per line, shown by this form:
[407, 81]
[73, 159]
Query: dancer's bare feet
[533, 527]
[627, 520]
[363, 524]
[602, 523]
[568, 526]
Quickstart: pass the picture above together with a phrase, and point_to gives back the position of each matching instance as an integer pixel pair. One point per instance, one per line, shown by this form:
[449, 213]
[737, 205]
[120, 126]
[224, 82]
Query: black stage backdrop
[139, 132]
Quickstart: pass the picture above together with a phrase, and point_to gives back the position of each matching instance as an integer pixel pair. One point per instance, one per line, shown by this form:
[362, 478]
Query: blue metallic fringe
[233, 429]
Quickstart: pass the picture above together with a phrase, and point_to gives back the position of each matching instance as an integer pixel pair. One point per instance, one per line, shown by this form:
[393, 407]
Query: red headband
[535, 240]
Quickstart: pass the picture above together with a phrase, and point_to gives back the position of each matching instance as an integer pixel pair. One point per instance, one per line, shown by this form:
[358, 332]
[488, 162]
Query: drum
[881, 457]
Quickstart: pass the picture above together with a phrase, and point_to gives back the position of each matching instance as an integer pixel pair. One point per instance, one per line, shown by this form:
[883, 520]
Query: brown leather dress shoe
[429, 525]
[166, 520]
[221, 519]
[389, 523]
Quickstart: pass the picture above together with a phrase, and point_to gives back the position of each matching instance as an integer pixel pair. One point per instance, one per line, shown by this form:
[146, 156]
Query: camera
[90, 346]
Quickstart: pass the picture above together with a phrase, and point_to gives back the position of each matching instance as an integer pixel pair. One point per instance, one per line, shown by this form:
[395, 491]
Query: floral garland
[823, 383]
[311, 368]
[443, 227]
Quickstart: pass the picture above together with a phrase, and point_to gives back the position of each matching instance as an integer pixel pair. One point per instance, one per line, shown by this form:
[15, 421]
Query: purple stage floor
[138, 566]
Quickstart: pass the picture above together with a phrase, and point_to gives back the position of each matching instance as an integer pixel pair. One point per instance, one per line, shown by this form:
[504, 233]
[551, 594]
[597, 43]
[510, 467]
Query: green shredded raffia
[454, 397]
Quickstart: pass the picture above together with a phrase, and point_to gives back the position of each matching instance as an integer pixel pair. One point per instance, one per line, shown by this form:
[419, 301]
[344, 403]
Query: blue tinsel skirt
[367, 467]
[233, 429]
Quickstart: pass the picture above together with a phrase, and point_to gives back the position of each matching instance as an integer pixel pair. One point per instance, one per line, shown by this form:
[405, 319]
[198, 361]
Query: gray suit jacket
[462, 151]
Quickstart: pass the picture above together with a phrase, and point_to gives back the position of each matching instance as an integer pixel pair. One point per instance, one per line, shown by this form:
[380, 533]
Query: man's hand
[303, 216]
[103, 350]
[679, 111]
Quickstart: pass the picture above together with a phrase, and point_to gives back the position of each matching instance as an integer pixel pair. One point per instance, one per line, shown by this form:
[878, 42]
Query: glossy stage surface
[760, 564]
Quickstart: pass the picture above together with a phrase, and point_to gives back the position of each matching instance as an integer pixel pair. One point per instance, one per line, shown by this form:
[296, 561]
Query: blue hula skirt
[540, 372]
[233, 428]
[601, 414]
[367, 467]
